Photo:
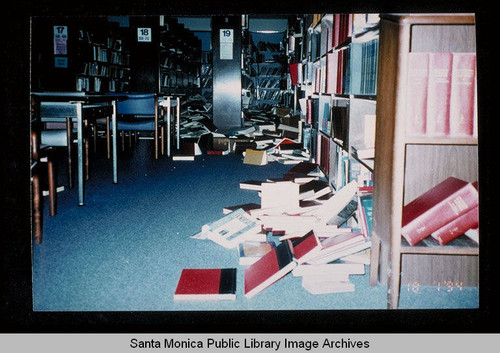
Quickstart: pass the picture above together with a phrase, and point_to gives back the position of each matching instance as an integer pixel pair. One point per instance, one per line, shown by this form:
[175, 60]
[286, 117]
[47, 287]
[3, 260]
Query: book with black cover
[206, 284]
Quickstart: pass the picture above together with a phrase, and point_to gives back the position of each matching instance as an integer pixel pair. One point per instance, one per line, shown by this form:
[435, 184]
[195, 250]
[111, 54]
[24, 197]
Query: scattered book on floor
[314, 189]
[206, 284]
[321, 286]
[436, 207]
[251, 251]
[251, 185]
[232, 229]
[457, 227]
[247, 207]
[329, 269]
[339, 246]
[280, 194]
[268, 269]
[305, 247]
[255, 157]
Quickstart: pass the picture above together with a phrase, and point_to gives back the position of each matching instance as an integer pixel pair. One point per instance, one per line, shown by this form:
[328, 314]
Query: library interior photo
[298, 162]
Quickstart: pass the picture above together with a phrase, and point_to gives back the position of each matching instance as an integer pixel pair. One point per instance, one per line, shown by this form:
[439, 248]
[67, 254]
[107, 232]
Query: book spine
[416, 108]
[457, 227]
[447, 210]
[462, 94]
[438, 102]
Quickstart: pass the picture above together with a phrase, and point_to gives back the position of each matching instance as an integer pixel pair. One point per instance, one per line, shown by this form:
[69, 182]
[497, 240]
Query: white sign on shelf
[226, 44]
[60, 40]
[144, 34]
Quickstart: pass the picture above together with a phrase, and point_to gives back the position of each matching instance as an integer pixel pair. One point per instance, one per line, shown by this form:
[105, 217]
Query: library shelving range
[409, 162]
[180, 59]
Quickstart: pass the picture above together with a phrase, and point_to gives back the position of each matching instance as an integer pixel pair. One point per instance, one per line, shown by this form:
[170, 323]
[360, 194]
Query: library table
[57, 106]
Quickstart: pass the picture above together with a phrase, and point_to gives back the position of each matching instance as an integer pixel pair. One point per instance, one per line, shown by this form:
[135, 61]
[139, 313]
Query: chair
[140, 113]
[37, 156]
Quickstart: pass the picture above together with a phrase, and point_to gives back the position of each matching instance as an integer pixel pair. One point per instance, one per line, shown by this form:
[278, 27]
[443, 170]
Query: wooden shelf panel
[462, 245]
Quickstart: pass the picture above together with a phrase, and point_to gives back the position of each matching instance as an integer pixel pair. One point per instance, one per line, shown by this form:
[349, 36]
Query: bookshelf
[335, 58]
[407, 166]
[180, 59]
[103, 61]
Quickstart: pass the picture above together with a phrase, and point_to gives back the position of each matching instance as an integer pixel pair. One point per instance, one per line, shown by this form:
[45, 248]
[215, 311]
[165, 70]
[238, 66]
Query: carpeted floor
[124, 250]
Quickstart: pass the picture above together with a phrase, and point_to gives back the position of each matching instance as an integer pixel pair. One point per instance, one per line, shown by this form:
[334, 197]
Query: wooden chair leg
[37, 209]
[69, 136]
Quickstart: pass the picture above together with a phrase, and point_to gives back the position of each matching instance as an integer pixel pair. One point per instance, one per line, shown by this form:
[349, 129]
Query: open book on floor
[232, 229]
[206, 284]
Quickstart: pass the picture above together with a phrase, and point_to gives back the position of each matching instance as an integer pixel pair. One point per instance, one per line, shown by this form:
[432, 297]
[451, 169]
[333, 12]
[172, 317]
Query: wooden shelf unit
[405, 167]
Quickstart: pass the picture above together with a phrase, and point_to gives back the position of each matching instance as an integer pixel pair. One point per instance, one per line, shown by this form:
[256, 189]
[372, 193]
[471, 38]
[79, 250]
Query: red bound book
[416, 99]
[268, 269]
[206, 284]
[309, 111]
[306, 247]
[457, 227]
[294, 73]
[438, 206]
[340, 70]
[336, 30]
[329, 38]
[462, 101]
[438, 100]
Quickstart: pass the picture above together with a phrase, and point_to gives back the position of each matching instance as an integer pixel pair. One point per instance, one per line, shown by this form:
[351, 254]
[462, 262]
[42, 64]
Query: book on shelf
[457, 227]
[232, 229]
[441, 94]
[268, 269]
[436, 207]
[250, 251]
[438, 102]
[416, 96]
[206, 284]
[462, 95]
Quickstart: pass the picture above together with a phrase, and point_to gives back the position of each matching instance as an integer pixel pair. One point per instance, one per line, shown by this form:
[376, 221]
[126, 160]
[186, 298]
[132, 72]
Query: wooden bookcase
[405, 167]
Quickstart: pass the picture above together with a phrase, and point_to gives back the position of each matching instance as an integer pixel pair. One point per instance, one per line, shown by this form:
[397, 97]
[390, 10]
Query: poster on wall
[60, 40]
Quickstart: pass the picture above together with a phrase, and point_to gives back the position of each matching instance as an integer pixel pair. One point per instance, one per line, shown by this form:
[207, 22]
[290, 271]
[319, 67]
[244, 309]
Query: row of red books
[444, 212]
[441, 96]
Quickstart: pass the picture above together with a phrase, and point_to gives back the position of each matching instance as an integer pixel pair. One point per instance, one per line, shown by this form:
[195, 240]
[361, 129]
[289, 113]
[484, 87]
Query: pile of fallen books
[265, 137]
[301, 227]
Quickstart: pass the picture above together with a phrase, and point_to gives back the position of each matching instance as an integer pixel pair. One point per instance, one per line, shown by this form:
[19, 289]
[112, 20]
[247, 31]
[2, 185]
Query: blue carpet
[124, 250]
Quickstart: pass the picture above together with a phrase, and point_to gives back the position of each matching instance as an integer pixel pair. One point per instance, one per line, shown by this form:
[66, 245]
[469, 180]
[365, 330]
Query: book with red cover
[416, 98]
[294, 73]
[457, 227]
[268, 269]
[306, 247]
[436, 207]
[206, 284]
[462, 94]
[438, 100]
